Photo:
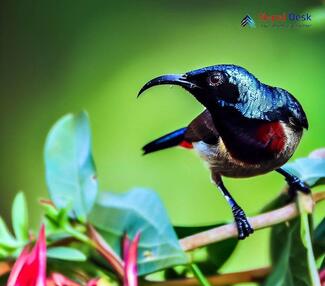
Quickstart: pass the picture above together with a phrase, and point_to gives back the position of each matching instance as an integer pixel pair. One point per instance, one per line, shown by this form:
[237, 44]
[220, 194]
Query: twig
[255, 275]
[258, 222]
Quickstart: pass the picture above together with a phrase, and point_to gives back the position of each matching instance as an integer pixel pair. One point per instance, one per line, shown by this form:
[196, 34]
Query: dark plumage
[248, 128]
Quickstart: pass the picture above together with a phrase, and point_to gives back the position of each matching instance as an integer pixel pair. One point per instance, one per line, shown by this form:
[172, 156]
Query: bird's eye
[216, 79]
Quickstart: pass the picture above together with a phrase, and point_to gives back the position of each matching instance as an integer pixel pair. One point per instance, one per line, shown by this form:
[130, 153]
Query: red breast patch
[186, 144]
[272, 135]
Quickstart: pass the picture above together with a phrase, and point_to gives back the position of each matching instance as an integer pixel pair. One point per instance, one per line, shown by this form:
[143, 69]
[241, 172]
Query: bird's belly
[221, 161]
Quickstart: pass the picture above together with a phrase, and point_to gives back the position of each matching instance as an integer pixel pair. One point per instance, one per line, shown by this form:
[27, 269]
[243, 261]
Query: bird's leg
[243, 226]
[295, 184]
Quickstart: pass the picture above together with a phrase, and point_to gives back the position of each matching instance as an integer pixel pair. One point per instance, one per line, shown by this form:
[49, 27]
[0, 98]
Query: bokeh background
[64, 56]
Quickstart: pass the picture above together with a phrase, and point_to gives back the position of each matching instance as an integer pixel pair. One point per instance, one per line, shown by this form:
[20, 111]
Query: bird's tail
[172, 139]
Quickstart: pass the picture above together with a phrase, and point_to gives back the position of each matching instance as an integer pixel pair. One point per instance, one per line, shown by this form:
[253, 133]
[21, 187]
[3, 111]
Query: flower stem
[199, 275]
[106, 251]
[77, 235]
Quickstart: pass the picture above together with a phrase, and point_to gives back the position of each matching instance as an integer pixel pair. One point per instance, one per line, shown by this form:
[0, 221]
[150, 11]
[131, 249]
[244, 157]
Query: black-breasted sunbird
[247, 129]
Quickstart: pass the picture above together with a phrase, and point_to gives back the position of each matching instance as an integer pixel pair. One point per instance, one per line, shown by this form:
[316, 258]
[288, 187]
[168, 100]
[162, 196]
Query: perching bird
[247, 129]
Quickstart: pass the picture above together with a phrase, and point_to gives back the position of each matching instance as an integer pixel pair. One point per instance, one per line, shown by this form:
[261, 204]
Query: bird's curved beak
[175, 79]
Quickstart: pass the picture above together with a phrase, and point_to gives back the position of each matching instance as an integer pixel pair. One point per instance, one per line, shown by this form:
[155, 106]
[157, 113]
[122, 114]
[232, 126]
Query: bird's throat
[272, 135]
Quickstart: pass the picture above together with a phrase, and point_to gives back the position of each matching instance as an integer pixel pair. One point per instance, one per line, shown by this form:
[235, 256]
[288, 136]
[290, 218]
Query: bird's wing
[202, 129]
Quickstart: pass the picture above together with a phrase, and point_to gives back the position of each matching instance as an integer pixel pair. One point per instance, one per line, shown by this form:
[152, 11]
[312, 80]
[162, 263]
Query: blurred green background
[65, 56]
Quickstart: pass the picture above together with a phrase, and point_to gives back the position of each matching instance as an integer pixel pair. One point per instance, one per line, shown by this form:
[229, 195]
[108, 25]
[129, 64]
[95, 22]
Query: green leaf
[319, 239]
[55, 221]
[6, 239]
[20, 217]
[211, 257]
[292, 255]
[70, 169]
[139, 210]
[66, 253]
[3, 254]
[58, 217]
[322, 266]
[310, 170]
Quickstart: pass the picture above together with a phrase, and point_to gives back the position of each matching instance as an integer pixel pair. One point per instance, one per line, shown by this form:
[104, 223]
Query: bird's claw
[243, 226]
[295, 184]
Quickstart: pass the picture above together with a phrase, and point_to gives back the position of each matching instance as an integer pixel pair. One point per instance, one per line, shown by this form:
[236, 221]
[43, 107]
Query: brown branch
[258, 222]
[255, 275]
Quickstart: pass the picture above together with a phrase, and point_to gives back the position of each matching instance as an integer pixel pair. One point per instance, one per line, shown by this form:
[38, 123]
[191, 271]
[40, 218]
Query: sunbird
[247, 129]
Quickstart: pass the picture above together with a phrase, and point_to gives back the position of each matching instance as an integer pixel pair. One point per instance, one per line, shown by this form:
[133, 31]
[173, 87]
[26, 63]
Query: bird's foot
[295, 185]
[243, 226]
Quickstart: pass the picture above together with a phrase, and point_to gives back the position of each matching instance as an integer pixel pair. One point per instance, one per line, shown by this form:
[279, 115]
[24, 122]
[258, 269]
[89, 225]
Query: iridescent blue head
[232, 89]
